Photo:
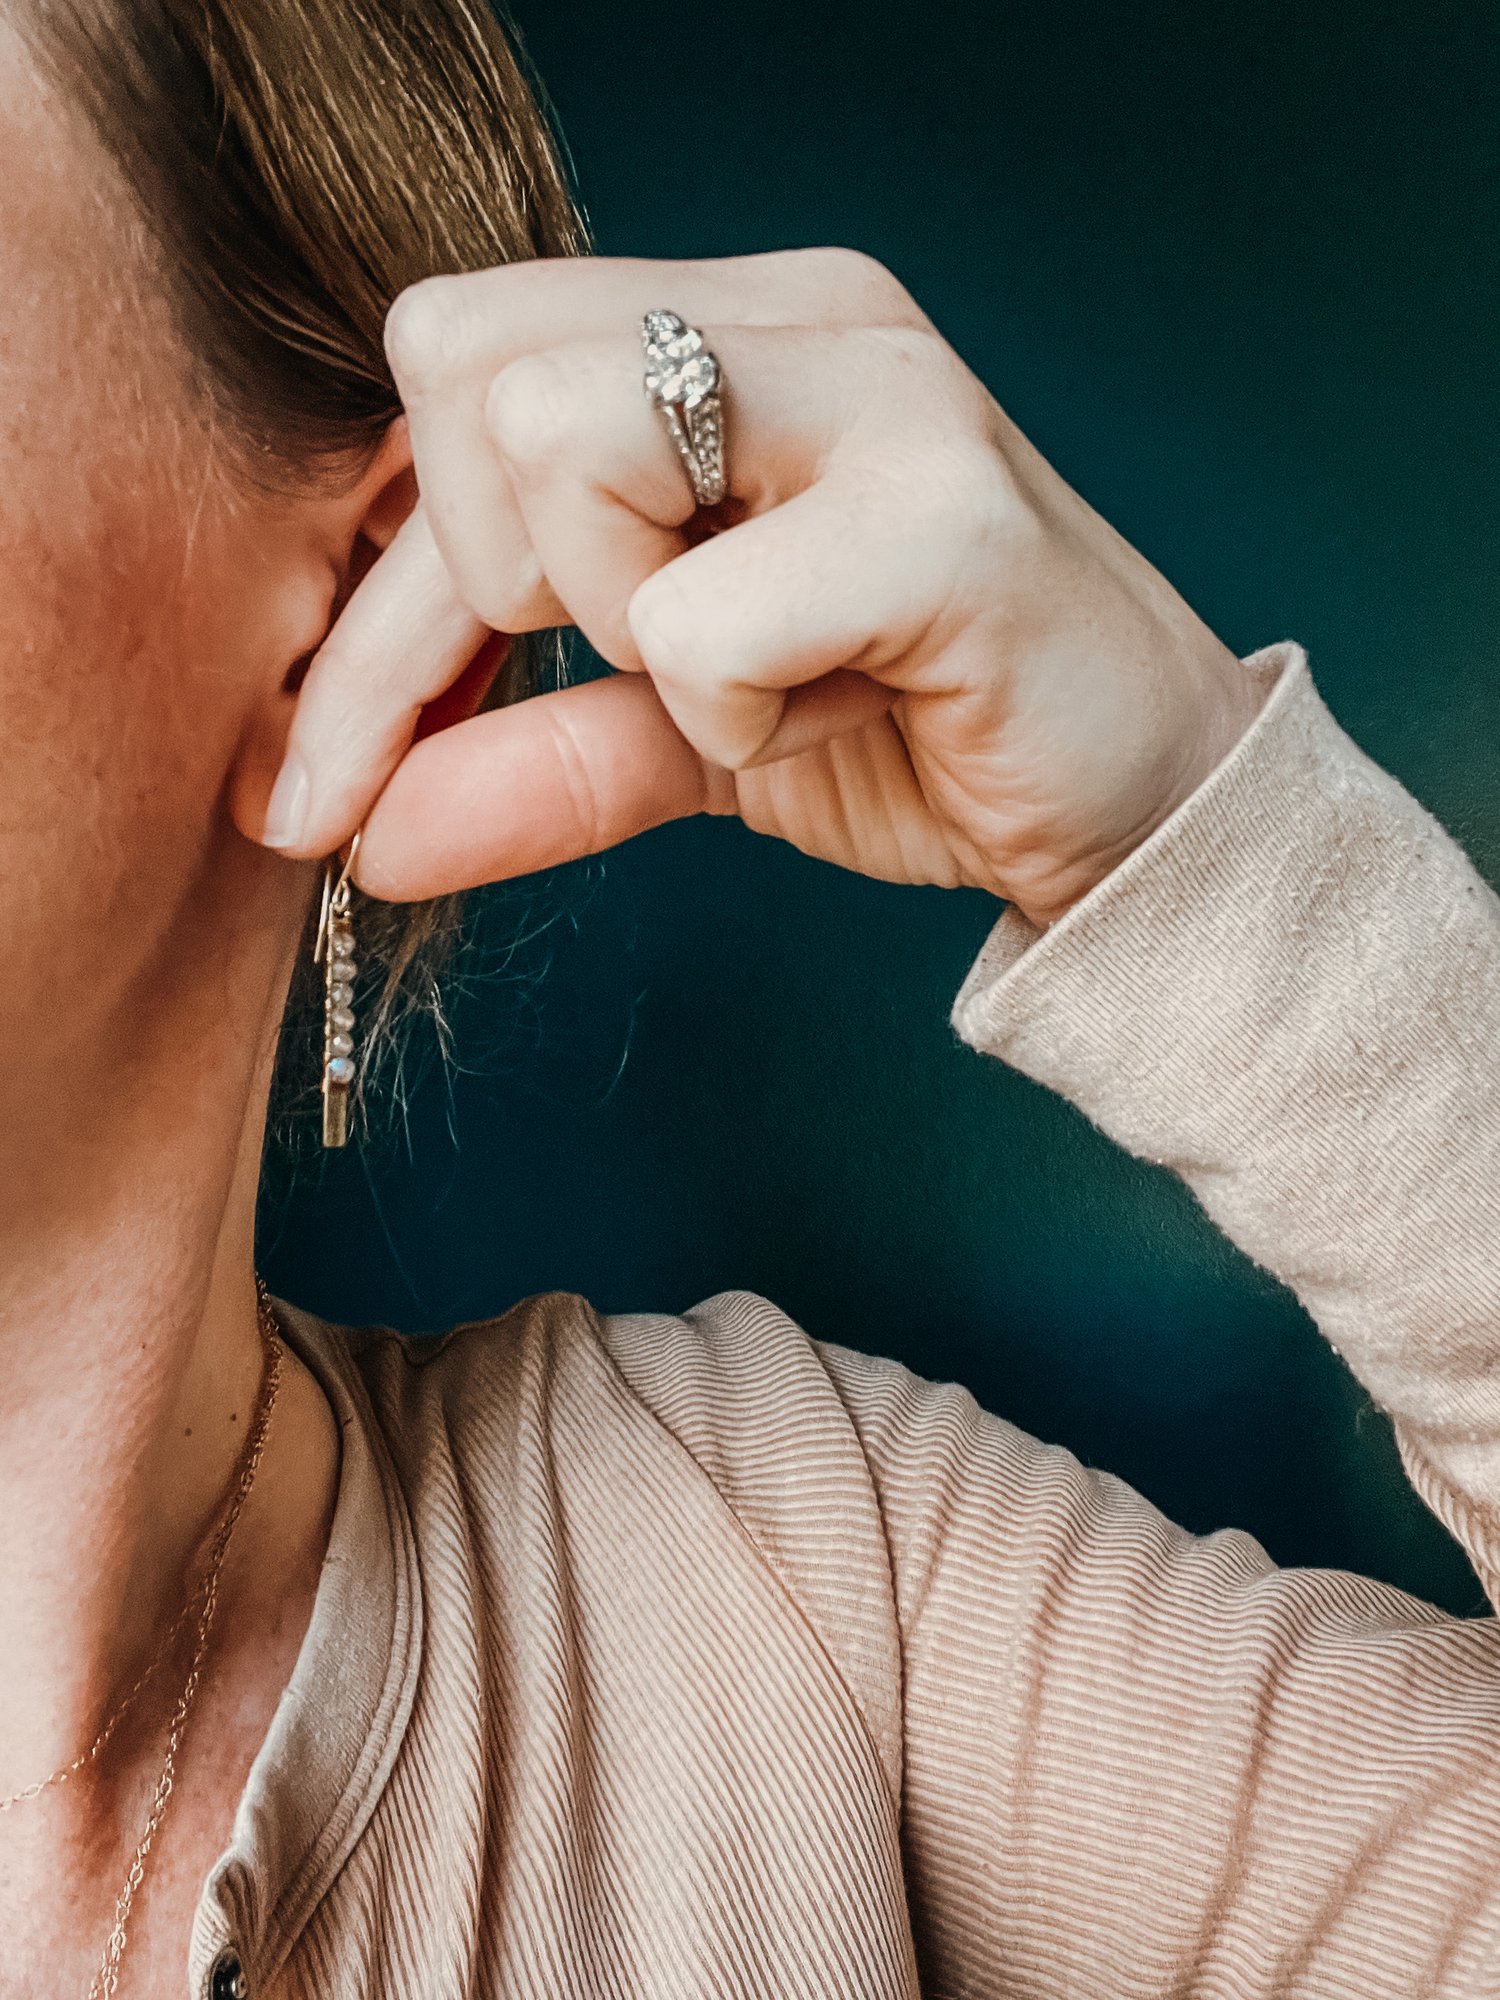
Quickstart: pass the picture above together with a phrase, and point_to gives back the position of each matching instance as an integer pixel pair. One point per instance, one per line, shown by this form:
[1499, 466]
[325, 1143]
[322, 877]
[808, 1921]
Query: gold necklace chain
[116, 1717]
[127, 1700]
[106, 1980]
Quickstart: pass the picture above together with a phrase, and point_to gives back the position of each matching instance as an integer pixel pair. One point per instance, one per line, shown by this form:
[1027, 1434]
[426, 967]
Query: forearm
[1291, 995]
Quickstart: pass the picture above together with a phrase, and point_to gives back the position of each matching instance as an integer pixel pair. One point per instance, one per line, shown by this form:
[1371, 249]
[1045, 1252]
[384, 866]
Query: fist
[903, 644]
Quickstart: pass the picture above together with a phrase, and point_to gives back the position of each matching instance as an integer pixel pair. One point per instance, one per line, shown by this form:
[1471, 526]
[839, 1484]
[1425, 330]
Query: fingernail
[286, 811]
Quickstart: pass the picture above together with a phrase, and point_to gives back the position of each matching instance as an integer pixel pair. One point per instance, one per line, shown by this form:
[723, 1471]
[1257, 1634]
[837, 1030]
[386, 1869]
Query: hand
[914, 651]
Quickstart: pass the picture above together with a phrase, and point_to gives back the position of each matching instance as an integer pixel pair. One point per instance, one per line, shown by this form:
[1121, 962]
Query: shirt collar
[336, 1733]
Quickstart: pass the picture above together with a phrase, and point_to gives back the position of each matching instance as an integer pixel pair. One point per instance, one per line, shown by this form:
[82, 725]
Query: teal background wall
[1234, 269]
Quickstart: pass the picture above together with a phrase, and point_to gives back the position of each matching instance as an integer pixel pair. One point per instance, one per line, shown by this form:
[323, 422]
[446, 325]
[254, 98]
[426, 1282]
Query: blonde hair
[298, 163]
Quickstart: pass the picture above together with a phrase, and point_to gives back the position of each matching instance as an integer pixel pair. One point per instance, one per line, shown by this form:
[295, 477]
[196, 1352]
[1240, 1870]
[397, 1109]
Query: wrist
[1225, 706]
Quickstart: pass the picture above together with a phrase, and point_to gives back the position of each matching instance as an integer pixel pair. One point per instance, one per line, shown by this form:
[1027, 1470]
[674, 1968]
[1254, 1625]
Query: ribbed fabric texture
[690, 1655]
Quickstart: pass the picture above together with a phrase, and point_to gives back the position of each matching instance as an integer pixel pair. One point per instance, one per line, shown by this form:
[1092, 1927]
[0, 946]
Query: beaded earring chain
[334, 950]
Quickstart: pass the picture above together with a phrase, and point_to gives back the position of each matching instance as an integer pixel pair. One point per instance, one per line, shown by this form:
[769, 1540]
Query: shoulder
[746, 1391]
[732, 1396]
[743, 1389]
[808, 1442]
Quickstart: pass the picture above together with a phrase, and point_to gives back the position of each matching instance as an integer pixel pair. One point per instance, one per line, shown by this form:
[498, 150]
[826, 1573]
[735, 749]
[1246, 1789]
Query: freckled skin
[128, 613]
[150, 607]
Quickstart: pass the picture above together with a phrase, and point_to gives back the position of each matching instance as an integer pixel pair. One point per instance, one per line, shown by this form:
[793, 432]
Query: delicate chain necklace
[205, 1599]
[116, 1717]
[106, 1980]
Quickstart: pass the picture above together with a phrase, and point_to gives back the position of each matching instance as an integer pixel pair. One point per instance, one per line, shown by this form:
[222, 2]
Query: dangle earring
[334, 951]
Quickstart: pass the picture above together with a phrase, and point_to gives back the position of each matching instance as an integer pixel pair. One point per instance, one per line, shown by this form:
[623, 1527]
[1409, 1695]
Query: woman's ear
[314, 556]
[393, 479]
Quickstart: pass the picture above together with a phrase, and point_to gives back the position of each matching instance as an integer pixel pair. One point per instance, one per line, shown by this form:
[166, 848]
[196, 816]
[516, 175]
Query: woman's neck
[130, 1353]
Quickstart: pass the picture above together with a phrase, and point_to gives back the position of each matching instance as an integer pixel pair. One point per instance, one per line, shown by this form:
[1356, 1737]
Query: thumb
[532, 786]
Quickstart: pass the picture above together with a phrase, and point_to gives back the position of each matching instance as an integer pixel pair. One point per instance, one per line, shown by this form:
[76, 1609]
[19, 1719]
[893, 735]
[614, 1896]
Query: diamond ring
[683, 381]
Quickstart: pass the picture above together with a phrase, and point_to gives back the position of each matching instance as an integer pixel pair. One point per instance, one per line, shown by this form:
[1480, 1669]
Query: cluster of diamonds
[679, 368]
[683, 380]
[338, 1028]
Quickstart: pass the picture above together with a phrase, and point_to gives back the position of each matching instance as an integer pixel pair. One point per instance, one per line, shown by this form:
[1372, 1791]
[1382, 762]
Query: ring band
[683, 382]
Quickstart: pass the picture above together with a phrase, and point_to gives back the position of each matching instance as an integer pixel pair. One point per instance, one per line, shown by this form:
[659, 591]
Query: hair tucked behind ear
[299, 162]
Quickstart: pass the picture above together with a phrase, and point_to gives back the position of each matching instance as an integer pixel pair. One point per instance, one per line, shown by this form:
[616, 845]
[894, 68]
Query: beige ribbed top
[672, 1657]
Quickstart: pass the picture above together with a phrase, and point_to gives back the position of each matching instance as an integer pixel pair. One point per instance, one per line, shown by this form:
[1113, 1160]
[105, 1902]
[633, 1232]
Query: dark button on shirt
[227, 1980]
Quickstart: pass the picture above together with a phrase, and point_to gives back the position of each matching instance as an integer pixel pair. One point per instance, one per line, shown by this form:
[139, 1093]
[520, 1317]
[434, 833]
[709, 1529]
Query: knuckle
[856, 278]
[422, 332]
[508, 597]
[906, 375]
[529, 410]
[857, 284]
[902, 351]
[966, 481]
[979, 499]
[947, 495]
[864, 279]
[948, 434]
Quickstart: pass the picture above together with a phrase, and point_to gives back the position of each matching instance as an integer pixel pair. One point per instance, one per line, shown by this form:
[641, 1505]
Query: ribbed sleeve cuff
[1290, 994]
[1046, 1001]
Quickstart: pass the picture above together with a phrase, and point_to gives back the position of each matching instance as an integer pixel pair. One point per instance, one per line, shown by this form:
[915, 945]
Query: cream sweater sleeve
[1143, 1765]
[1291, 996]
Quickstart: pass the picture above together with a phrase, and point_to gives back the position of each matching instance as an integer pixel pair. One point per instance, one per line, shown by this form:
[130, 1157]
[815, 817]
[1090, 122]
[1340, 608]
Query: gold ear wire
[333, 891]
[334, 951]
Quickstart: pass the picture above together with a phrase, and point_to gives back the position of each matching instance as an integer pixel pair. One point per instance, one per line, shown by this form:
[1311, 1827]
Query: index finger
[404, 637]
